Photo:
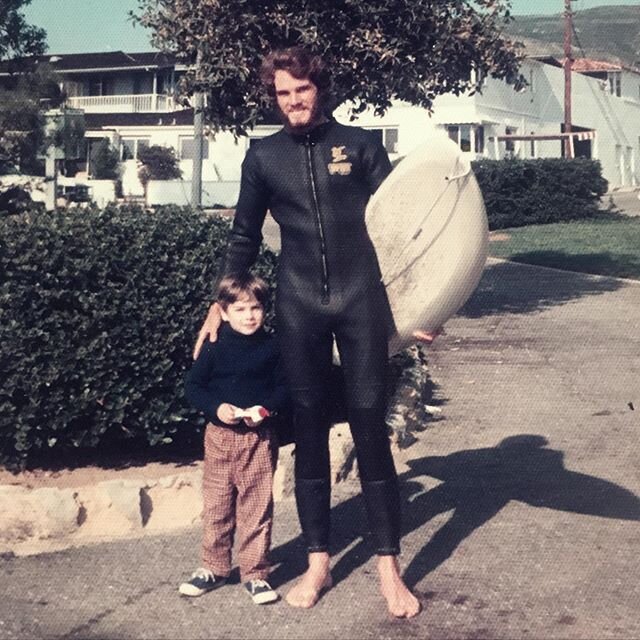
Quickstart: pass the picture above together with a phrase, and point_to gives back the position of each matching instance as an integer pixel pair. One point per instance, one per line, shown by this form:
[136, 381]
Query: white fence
[179, 192]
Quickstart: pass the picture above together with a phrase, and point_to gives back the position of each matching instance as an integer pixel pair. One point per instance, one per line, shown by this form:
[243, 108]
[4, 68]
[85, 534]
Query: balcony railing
[141, 103]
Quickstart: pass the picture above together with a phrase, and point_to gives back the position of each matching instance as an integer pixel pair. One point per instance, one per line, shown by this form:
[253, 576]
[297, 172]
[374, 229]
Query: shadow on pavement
[509, 288]
[475, 485]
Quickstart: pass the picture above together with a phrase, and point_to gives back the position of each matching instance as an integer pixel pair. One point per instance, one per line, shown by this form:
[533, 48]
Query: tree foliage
[17, 38]
[22, 102]
[158, 163]
[21, 122]
[379, 50]
[105, 161]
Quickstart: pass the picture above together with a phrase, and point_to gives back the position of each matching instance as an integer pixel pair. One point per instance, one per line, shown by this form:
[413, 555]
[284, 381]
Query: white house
[500, 121]
[130, 99]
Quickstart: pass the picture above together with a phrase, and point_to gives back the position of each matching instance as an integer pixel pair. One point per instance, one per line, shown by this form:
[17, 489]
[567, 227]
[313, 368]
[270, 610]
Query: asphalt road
[521, 502]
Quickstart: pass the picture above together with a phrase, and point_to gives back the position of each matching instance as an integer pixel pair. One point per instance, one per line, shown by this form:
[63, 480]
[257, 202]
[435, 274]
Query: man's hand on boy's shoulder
[227, 413]
[209, 329]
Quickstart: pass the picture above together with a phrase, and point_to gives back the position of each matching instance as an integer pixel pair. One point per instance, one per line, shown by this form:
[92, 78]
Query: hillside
[609, 33]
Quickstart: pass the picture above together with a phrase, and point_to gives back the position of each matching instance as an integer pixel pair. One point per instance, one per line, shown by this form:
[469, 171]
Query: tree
[17, 38]
[22, 102]
[378, 50]
[158, 163]
[105, 161]
[21, 122]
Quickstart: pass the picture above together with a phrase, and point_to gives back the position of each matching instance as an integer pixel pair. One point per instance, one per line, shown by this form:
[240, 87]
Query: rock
[172, 502]
[17, 514]
[111, 508]
[57, 512]
[42, 514]
[284, 480]
[342, 453]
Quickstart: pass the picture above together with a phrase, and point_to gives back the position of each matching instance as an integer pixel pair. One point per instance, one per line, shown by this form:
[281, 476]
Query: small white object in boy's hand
[255, 414]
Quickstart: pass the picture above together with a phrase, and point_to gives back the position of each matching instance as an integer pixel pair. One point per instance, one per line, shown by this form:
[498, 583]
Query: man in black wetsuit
[316, 176]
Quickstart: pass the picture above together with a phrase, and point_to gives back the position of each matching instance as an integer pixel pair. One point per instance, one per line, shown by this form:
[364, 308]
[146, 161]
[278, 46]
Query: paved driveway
[521, 502]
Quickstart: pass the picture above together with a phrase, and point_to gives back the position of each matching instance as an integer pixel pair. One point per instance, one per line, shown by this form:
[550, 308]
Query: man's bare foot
[316, 579]
[400, 601]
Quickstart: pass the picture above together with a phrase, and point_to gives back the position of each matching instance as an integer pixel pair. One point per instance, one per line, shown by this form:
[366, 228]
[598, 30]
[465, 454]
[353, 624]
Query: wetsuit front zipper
[323, 248]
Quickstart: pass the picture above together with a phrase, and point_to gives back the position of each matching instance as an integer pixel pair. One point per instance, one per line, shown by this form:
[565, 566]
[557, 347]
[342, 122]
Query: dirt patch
[499, 237]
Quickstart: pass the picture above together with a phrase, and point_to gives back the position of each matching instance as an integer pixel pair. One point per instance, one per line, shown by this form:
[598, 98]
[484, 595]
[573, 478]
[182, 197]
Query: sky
[86, 26]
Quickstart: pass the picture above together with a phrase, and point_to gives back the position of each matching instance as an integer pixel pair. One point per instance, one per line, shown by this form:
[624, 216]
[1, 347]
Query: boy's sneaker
[260, 591]
[202, 581]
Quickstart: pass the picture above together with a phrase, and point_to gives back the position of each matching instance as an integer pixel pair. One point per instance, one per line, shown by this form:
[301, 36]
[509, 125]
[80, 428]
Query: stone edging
[45, 519]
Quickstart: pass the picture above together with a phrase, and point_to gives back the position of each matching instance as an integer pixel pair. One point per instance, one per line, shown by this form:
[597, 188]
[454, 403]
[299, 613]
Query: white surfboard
[428, 224]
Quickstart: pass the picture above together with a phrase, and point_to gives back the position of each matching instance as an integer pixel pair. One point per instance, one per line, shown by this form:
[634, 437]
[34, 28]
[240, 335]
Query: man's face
[245, 315]
[297, 100]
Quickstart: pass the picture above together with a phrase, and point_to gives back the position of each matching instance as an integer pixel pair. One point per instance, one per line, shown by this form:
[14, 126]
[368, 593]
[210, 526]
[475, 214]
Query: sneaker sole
[191, 591]
[265, 598]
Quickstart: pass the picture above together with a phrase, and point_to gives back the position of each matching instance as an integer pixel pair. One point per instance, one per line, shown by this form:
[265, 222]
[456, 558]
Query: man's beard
[316, 117]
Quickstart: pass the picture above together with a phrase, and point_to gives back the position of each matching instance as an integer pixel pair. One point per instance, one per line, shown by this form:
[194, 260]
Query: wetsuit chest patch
[339, 164]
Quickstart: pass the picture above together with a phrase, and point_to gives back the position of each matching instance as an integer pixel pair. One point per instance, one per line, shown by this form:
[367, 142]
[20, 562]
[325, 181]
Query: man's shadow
[475, 485]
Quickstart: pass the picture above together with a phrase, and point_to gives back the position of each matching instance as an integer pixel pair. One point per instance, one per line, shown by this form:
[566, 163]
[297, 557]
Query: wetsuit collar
[314, 135]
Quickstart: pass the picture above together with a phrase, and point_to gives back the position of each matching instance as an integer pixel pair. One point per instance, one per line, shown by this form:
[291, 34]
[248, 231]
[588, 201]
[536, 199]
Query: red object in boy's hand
[253, 416]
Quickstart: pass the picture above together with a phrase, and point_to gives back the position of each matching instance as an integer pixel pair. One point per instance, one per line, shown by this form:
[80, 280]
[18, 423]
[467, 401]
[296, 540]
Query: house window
[130, 147]
[389, 138]
[467, 136]
[101, 86]
[187, 148]
[461, 135]
[615, 83]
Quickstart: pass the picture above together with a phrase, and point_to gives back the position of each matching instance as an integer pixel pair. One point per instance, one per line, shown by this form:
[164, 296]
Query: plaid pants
[237, 487]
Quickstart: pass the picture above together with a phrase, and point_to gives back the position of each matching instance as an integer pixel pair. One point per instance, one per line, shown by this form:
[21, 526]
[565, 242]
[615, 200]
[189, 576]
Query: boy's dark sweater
[237, 369]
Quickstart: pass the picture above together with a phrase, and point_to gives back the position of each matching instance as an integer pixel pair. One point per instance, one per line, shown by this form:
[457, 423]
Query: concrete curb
[50, 519]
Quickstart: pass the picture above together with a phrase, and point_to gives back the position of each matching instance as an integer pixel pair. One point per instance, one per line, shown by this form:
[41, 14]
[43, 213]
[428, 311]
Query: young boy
[237, 383]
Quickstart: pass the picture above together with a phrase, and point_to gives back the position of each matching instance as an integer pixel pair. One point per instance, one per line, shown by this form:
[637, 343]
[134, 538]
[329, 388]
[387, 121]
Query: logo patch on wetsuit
[338, 165]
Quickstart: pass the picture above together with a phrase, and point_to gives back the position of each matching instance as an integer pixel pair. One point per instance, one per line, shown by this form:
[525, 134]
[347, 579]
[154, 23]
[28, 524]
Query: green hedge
[521, 192]
[98, 315]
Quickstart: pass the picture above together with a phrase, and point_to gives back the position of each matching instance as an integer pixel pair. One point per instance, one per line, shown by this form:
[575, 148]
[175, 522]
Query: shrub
[105, 161]
[98, 315]
[521, 192]
[158, 163]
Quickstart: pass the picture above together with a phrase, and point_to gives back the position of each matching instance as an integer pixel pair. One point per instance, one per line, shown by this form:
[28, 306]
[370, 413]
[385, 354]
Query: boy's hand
[253, 416]
[227, 413]
[209, 328]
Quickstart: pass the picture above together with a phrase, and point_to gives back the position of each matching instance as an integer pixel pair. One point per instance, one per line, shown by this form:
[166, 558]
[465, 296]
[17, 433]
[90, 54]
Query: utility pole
[198, 130]
[568, 64]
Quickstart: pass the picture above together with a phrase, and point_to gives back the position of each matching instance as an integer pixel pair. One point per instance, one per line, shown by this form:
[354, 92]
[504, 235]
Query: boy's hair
[232, 288]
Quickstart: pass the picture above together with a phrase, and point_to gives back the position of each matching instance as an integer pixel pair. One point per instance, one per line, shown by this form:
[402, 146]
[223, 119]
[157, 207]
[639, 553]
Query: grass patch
[608, 245]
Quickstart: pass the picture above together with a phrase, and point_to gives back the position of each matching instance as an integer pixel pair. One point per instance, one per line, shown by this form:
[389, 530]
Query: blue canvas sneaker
[260, 591]
[202, 581]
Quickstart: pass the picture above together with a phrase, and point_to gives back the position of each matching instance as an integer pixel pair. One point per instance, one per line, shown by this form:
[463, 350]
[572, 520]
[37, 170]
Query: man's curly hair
[300, 63]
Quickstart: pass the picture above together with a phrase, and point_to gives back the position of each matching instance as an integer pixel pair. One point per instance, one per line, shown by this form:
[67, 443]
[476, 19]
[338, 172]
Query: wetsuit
[316, 187]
